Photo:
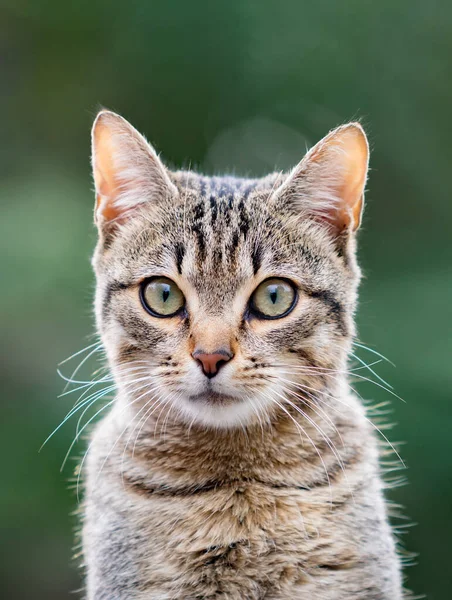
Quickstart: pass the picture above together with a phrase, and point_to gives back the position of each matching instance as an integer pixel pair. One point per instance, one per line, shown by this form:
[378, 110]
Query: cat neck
[302, 447]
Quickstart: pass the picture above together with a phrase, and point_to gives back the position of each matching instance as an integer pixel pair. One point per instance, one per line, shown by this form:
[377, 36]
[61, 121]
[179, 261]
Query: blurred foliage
[237, 84]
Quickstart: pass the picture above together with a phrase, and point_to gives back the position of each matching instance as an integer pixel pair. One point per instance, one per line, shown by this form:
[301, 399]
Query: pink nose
[212, 362]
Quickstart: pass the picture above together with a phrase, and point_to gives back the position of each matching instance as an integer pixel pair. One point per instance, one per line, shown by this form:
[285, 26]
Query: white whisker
[98, 344]
[301, 431]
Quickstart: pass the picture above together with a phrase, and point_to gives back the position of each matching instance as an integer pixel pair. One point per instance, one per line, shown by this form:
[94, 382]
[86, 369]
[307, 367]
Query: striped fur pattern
[262, 482]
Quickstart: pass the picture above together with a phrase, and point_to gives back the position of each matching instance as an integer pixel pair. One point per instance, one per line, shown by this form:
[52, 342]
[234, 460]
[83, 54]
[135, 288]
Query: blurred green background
[217, 85]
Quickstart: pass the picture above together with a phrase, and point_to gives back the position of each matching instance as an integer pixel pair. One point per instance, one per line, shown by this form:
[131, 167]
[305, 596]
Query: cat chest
[252, 529]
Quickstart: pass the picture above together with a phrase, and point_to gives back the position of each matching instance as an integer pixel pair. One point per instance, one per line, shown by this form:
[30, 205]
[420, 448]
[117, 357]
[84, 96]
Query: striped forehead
[219, 227]
[224, 187]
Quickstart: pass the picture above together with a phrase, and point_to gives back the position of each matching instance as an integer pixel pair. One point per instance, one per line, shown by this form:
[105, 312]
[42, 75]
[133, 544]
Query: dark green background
[215, 85]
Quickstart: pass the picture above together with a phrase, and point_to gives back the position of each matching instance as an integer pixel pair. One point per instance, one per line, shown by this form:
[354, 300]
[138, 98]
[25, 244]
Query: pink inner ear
[103, 171]
[355, 174]
[127, 171]
[340, 163]
[108, 133]
[106, 209]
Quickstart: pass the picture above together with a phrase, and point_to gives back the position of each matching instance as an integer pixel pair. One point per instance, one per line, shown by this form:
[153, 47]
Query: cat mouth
[214, 399]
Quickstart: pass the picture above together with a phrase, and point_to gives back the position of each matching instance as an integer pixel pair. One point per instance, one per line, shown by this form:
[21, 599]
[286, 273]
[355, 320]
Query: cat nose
[211, 362]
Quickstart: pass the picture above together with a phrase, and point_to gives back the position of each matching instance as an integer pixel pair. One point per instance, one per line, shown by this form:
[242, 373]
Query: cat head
[225, 300]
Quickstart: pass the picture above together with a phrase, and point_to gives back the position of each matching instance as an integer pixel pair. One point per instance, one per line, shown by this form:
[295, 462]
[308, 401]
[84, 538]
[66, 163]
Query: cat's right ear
[126, 169]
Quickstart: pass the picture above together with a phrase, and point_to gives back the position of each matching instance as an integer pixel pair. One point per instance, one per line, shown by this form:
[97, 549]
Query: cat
[236, 462]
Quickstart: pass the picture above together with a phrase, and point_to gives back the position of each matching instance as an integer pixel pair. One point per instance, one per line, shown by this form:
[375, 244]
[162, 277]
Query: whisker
[333, 372]
[99, 344]
[142, 422]
[368, 366]
[81, 431]
[91, 399]
[312, 404]
[132, 391]
[372, 424]
[301, 431]
[69, 380]
[127, 406]
[85, 385]
[335, 399]
[81, 363]
[73, 411]
[317, 428]
[154, 400]
[373, 352]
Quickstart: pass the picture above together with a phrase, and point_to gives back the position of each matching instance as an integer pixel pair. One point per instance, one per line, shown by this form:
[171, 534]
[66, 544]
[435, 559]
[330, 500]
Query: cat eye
[273, 299]
[161, 297]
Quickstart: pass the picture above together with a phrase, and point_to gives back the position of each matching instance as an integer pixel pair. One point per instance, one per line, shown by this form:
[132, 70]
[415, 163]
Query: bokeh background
[243, 84]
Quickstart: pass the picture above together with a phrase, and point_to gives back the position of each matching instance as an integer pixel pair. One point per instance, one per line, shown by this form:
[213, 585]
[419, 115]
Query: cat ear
[328, 184]
[127, 171]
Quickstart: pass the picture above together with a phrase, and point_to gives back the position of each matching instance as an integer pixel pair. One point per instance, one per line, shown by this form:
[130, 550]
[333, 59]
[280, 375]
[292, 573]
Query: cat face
[225, 300]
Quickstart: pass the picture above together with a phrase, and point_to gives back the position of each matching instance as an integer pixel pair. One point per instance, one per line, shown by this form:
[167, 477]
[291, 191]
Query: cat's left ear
[127, 171]
[328, 184]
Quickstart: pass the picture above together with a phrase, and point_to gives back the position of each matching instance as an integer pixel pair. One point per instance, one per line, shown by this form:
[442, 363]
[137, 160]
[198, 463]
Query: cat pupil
[165, 294]
[273, 296]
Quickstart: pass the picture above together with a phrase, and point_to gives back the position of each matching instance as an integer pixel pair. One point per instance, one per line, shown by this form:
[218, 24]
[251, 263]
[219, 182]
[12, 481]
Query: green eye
[161, 297]
[273, 299]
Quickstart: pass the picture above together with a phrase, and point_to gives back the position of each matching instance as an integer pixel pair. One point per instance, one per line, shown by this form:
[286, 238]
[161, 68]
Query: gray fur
[188, 502]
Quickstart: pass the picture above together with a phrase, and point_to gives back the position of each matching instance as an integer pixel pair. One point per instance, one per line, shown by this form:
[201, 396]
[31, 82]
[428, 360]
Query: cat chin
[220, 413]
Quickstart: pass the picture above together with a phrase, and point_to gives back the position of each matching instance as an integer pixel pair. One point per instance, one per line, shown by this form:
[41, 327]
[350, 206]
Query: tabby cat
[235, 462]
